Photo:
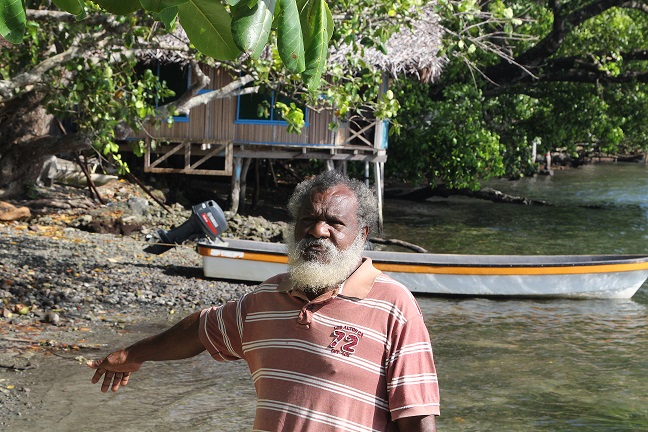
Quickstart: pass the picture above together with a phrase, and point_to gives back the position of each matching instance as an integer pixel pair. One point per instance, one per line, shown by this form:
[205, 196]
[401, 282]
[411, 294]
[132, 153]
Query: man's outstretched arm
[417, 424]
[179, 342]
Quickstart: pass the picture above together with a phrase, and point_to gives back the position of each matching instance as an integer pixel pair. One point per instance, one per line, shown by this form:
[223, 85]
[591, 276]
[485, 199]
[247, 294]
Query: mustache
[305, 243]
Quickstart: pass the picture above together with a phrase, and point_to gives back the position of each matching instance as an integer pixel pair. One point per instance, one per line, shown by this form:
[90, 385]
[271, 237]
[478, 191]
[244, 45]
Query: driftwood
[91, 186]
[422, 193]
[148, 192]
[58, 203]
[397, 242]
[9, 212]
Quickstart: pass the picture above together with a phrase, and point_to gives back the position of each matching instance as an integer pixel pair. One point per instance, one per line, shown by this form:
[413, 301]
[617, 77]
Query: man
[333, 345]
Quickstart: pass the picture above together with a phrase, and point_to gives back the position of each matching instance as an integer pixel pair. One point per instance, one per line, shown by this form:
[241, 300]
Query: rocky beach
[67, 289]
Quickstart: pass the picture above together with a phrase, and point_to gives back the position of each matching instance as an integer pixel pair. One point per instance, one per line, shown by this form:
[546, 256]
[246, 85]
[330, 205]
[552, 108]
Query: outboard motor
[206, 219]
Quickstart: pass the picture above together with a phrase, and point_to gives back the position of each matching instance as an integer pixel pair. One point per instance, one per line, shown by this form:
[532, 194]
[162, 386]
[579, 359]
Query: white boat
[572, 276]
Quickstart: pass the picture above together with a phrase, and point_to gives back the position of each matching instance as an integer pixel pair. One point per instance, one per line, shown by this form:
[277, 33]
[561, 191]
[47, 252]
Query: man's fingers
[113, 371]
[97, 375]
[117, 379]
[94, 364]
[111, 380]
[107, 381]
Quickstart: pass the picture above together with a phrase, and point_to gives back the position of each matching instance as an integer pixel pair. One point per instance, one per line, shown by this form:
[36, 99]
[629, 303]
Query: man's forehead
[333, 196]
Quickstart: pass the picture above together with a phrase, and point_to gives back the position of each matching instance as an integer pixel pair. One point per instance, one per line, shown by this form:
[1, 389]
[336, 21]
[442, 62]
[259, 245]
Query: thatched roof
[413, 52]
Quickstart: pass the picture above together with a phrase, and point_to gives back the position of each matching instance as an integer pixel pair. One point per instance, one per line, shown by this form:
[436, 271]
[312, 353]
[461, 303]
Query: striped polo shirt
[353, 359]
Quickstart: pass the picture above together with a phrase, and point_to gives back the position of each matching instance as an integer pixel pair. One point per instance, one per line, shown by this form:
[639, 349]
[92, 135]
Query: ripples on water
[554, 365]
[508, 365]
[595, 209]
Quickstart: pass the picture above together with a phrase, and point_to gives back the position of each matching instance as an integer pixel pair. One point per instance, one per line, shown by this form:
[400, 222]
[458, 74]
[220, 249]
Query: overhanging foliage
[561, 75]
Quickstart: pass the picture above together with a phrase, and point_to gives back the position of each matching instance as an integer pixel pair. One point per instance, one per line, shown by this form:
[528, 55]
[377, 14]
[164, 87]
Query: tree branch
[106, 20]
[643, 7]
[536, 56]
[27, 81]
[46, 145]
[192, 99]
[580, 69]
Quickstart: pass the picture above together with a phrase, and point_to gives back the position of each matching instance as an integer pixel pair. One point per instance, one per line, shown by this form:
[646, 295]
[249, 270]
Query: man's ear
[365, 232]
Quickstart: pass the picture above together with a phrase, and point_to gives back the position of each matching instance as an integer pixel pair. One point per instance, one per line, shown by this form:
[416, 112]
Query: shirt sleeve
[221, 330]
[412, 384]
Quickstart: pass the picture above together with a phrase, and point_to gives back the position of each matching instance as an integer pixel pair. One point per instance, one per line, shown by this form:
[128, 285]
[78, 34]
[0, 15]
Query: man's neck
[312, 295]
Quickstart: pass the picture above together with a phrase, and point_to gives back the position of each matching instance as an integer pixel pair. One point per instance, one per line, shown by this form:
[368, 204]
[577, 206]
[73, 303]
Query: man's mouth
[313, 250]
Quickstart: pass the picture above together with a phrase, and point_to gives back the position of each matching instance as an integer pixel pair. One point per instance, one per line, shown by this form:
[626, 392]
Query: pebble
[75, 271]
[52, 318]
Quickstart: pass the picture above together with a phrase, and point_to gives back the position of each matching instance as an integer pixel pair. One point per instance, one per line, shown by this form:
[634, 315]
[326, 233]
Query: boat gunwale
[585, 260]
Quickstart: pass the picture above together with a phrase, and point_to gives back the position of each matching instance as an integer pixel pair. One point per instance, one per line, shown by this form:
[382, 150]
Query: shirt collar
[357, 285]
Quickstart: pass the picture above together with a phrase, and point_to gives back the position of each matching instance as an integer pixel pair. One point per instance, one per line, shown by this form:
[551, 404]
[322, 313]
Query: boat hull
[573, 276]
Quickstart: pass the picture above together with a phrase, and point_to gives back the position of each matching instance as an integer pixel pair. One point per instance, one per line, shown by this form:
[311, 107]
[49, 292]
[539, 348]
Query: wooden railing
[189, 150]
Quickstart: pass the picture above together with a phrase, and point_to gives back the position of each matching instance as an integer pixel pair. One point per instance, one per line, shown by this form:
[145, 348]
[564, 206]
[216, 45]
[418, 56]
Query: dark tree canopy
[568, 75]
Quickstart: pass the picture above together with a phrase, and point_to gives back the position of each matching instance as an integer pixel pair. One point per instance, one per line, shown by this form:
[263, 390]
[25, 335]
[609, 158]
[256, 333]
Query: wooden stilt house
[224, 135]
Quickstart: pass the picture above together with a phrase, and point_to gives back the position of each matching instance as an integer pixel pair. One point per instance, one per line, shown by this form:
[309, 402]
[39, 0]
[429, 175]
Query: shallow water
[595, 209]
[504, 365]
[197, 394]
[546, 365]
[554, 365]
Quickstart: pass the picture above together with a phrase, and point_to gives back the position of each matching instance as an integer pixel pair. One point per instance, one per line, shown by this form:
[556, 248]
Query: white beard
[317, 276]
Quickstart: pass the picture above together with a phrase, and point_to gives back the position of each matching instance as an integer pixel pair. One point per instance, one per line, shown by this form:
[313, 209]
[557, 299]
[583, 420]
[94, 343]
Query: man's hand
[115, 369]
[179, 342]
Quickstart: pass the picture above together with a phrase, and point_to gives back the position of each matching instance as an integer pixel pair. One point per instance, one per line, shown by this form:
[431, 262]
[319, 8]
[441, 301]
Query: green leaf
[329, 21]
[119, 7]
[290, 40]
[168, 16]
[208, 26]
[160, 5]
[316, 20]
[13, 21]
[139, 148]
[75, 7]
[251, 25]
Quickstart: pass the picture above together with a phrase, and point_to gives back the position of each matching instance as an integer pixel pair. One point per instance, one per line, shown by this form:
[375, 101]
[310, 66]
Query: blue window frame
[259, 108]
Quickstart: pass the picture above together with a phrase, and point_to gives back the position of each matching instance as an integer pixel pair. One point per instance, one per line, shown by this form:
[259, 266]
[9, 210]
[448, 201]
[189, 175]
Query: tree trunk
[27, 139]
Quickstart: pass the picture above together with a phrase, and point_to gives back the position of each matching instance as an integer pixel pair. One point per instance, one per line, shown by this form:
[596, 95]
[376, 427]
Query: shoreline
[70, 293]
[75, 281]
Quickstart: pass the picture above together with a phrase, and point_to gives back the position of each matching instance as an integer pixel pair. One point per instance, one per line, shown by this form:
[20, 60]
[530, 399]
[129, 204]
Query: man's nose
[319, 230]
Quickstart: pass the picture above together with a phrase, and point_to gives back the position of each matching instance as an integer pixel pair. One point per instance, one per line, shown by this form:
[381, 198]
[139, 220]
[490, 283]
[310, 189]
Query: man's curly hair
[367, 203]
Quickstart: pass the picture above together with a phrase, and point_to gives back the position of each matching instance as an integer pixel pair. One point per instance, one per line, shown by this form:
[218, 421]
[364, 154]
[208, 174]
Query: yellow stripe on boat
[548, 269]
[248, 256]
[510, 271]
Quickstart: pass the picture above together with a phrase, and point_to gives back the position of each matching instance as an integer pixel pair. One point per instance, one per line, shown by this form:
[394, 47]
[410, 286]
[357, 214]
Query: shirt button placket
[305, 316]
